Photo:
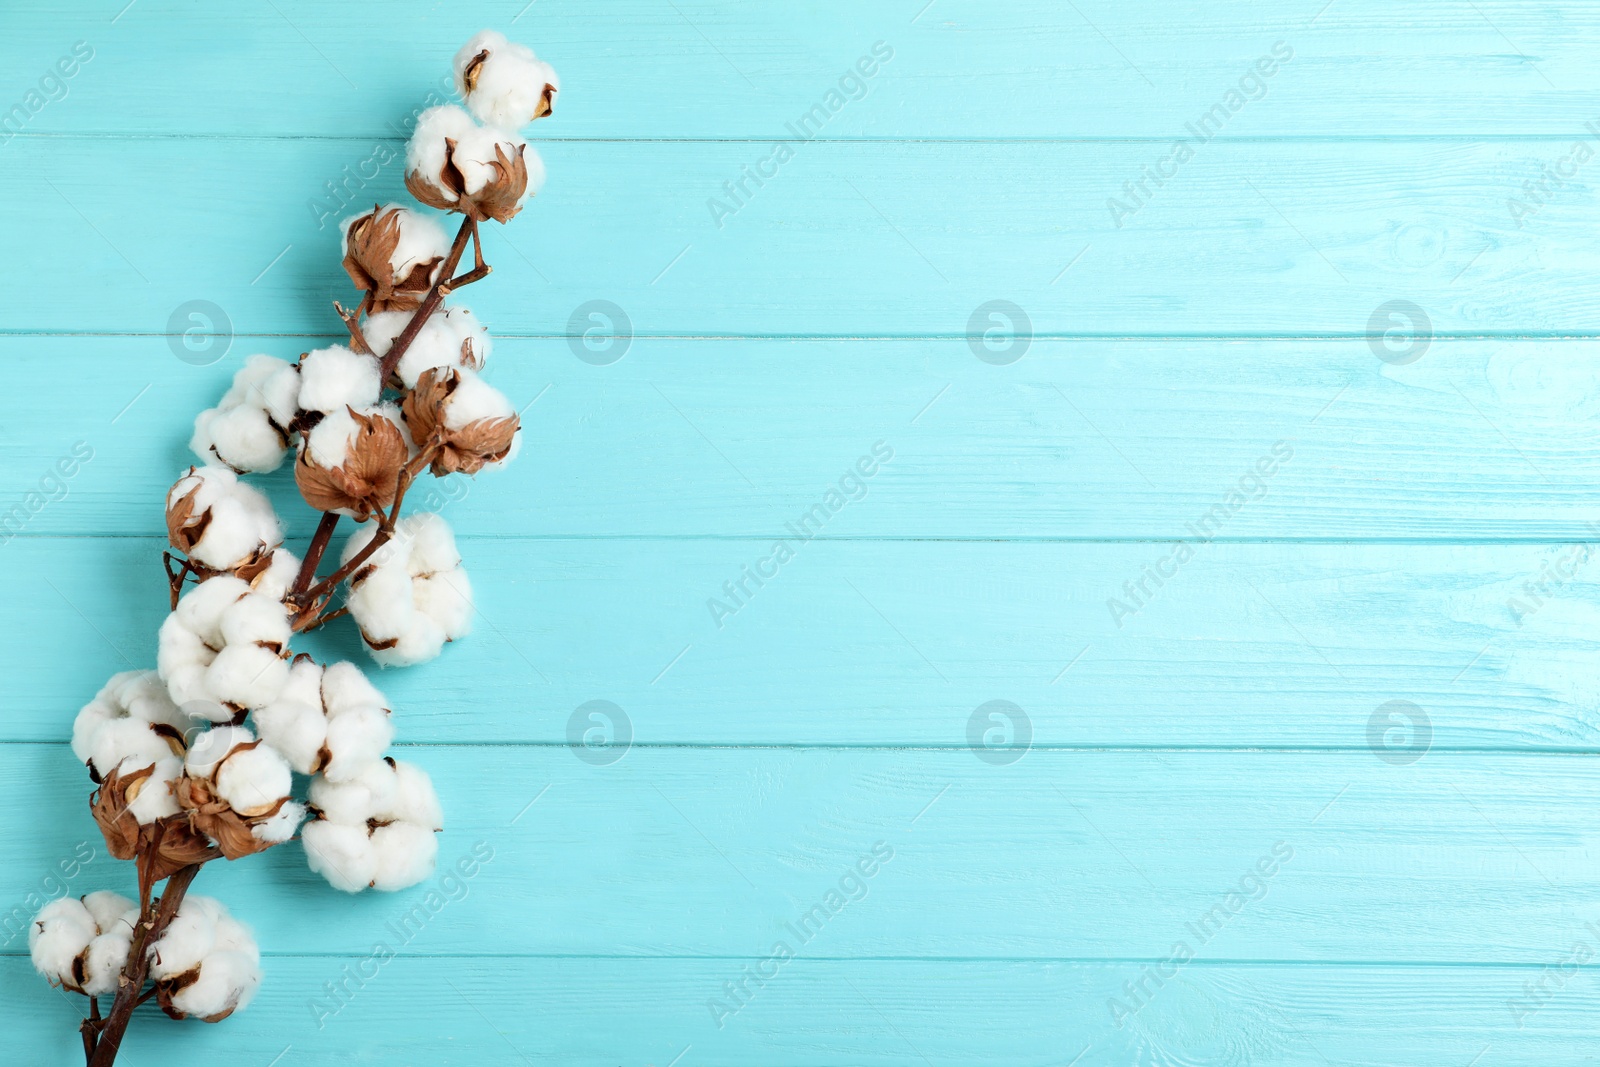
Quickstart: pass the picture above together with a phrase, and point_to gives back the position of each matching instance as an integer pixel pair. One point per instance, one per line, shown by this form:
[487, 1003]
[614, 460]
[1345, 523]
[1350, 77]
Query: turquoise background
[1216, 764]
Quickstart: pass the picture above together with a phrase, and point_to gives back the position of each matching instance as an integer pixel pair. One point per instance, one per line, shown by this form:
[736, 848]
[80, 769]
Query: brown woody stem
[153, 919]
[319, 545]
[435, 297]
[379, 539]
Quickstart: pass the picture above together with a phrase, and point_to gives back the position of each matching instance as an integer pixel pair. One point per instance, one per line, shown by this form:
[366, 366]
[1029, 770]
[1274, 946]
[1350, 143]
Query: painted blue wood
[1428, 541]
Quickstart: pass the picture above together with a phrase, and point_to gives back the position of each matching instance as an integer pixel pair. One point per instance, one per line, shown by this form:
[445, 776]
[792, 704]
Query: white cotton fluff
[474, 154]
[474, 399]
[118, 730]
[329, 441]
[281, 825]
[329, 719]
[413, 594]
[334, 378]
[421, 239]
[130, 695]
[511, 81]
[223, 644]
[452, 337]
[83, 944]
[376, 830]
[241, 521]
[209, 957]
[248, 430]
[279, 576]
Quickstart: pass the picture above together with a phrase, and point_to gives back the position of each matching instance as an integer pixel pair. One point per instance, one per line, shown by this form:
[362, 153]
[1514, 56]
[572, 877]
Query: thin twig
[319, 545]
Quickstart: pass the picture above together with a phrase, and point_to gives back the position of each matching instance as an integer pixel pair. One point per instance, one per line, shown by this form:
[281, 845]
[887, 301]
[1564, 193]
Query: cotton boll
[294, 723]
[414, 799]
[137, 695]
[425, 152]
[106, 907]
[210, 748]
[155, 799]
[103, 964]
[255, 619]
[217, 520]
[452, 337]
[413, 596]
[278, 578]
[248, 429]
[187, 939]
[405, 855]
[493, 171]
[252, 780]
[345, 686]
[334, 378]
[127, 745]
[247, 676]
[58, 935]
[357, 738]
[382, 327]
[446, 598]
[418, 239]
[503, 82]
[227, 982]
[366, 794]
[202, 608]
[235, 936]
[342, 854]
[281, 825]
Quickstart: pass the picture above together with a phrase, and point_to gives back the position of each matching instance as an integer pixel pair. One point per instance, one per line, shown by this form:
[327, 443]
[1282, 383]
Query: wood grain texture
[1427, 542]
[741, 69]
[1059, 855]
[848, 239]
[1288, 645]
[510, 1012]
[1077, 440]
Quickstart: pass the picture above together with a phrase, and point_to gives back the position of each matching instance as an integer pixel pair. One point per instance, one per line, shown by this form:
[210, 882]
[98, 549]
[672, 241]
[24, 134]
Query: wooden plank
[1097, 440]
[1059, 855]
[861, 642]
[960, 68]
[1250, 238]
[822, 1013]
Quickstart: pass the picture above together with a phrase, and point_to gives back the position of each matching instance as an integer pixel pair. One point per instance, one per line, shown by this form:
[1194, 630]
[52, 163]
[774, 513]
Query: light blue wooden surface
[1428, 539]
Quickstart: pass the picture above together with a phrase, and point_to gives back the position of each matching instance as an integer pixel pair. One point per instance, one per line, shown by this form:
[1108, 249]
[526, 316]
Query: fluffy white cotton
[475, 150]
[207, 960]
[452, 337]
[227, 982]
[413, 595]
[375, 830]
[136, 695]
[249, 429]
[512, 86]
[278, 577]
[329, 441]
[155, 799]
[188, 938]
[280, 825]
[58, 935]
[83, 944]
[224, 644]
[404, 854]
[421, 239]
[208, 749]
[341, 853]
[334, 378]
[238, 520]
[253, 780]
